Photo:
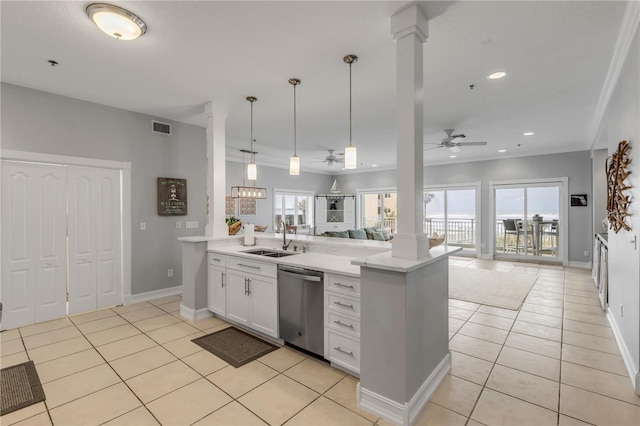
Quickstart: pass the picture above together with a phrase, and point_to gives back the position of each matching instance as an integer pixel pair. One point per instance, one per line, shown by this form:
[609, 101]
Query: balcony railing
[459, 232]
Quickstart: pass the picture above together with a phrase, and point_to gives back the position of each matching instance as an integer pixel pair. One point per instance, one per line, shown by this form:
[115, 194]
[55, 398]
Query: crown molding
[628, 28]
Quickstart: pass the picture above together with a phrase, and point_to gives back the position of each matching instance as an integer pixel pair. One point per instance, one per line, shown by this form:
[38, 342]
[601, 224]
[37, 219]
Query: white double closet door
[61, 241]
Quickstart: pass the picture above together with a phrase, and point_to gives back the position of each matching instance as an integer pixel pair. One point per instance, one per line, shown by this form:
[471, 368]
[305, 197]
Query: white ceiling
[556, 55]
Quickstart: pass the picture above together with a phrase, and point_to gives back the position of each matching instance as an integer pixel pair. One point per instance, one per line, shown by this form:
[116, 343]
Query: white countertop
[386, 261]
[312, 260]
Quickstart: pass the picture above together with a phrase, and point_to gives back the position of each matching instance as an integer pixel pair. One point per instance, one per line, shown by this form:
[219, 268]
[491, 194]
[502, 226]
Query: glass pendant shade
[116, 22]
[294, 165]
[252, 171]
[350, 160]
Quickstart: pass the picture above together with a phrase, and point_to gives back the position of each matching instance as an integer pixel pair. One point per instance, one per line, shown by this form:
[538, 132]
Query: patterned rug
[20, 387]
[494, 288]
[234, 346]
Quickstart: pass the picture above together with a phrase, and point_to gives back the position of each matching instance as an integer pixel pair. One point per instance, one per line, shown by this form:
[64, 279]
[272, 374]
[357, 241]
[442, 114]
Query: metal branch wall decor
[617, 201]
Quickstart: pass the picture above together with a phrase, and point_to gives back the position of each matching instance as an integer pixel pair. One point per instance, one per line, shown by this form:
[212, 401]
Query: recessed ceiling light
[502, 150]
[452, 156]
[497, 75]
[116, 22]
[527, 134]
[374, 165]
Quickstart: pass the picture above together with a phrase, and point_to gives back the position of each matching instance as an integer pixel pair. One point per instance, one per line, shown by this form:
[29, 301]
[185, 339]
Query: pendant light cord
[252, 156]
[350, 63]
[295, 151]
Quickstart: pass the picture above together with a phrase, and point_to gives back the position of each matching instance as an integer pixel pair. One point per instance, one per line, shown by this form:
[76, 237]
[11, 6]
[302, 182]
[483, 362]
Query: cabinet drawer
[216, 259]
[342, 284]
[342, 323]
[338, 303]
[252, 266]
[342, 350]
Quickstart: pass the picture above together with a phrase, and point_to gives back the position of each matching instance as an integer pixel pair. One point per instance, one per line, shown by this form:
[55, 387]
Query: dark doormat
[20, 387]
[235, 346]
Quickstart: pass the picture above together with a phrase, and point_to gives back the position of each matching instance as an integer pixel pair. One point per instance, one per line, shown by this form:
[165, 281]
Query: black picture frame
[579, 200]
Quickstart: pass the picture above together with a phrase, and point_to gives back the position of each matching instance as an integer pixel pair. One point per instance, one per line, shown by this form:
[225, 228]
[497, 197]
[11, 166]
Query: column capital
[410, 21]
[215, 109]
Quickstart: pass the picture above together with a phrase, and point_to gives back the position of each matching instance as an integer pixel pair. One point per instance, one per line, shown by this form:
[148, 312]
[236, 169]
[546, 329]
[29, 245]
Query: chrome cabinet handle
[343, 305]
[248, 286]
[222, 280]
[337, 348]
[343, 324]
[245, 286]
[248, 266]
[215, 259]
[344, 285]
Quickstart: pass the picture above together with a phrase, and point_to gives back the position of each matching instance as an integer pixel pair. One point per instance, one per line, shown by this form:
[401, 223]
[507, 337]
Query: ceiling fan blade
[433, 147]
[470, 143]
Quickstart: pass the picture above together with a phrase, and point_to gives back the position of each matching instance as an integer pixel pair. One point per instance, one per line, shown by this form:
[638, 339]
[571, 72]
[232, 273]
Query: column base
[410, 246]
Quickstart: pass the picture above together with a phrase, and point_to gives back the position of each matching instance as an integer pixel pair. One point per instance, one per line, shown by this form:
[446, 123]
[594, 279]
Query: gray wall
[599, 199]
[574, 165]
[622, 122]
[42, 122]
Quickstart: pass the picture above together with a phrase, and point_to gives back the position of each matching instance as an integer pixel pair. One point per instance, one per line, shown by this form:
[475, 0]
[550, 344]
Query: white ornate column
[410, 30]
[216, 169]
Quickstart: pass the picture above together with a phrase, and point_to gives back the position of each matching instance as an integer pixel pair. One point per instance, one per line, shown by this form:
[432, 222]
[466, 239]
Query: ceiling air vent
[158, 127]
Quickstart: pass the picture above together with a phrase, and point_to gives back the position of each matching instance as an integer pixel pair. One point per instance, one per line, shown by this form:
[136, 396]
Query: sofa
[376, 234]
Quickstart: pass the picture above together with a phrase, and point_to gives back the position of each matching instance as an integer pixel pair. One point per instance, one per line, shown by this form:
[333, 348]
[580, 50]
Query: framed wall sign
[579, 200]
[172, 197]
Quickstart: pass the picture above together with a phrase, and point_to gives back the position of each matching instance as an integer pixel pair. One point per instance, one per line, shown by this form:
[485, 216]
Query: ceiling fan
[330, 159]
[448, 142]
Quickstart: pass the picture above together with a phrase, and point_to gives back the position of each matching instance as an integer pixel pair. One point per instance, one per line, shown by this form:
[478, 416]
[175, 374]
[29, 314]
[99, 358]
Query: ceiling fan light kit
[350, 154]
[294, 161]
[116, 22]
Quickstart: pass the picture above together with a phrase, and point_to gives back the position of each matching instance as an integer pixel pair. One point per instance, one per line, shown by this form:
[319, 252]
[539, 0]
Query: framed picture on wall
[579, 200]
[172, 197]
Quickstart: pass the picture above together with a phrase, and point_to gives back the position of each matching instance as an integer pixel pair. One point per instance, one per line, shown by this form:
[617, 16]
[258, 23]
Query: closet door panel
[108, 244]
[51, 248]
[82, 253]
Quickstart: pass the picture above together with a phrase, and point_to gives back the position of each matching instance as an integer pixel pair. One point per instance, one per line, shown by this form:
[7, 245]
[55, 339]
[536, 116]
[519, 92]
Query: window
[378, 209]
[294, 207]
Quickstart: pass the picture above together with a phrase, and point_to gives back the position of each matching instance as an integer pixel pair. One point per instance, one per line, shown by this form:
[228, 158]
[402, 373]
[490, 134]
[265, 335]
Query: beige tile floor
[555, 361]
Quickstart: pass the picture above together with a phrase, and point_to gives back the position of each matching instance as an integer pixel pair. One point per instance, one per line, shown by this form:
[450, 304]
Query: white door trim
[124, 167]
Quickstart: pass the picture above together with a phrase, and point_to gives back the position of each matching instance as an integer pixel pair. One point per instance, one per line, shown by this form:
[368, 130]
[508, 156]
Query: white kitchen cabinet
[252, 294]
[335, 212]
[342, 321]
[216, 285]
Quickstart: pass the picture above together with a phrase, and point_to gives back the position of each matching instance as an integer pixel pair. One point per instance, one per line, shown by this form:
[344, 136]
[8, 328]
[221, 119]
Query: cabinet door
[216, 291]
[238, 307]
[321, 211]
[349, 210]
[264, 305]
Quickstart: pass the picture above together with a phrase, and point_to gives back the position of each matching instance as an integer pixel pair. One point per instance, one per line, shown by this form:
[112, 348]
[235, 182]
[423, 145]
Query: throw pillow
[358, 234]
[369, 232]
[377, 236]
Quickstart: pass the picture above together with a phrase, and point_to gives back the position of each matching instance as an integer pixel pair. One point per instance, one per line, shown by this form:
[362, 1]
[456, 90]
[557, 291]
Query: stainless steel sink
[279, 254]
[268, 253]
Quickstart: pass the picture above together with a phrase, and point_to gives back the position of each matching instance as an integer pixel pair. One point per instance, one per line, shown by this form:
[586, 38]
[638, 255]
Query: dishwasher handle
[300, 275]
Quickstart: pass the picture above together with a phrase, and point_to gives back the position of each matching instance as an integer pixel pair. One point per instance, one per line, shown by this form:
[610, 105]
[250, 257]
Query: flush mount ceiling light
[496, 75]
[116, 22]
[294, 161]
[502, 150]
[350, 161]
[527, 134]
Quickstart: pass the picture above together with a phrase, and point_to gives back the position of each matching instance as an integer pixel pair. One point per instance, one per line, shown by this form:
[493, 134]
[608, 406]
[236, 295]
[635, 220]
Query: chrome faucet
[285, 244]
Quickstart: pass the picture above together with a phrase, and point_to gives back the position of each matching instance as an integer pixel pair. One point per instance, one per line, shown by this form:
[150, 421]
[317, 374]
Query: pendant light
[252, 169]
[294, 161]
[245, 191]
[350, 160]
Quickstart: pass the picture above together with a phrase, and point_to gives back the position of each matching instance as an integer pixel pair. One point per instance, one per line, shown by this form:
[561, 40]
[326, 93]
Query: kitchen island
[385, 318]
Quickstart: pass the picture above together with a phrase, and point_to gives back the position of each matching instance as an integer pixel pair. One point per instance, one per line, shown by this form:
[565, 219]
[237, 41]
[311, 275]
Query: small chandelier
[252, 169]
[350, 161]
[245, 191]
[294, 161]
[116, 22]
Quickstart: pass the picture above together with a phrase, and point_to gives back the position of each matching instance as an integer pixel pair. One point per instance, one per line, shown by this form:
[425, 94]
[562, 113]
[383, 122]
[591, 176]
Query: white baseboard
[585, 265]
[151, 295]
[634, 375]
[194, 314]
[487, 256]
[404, 414]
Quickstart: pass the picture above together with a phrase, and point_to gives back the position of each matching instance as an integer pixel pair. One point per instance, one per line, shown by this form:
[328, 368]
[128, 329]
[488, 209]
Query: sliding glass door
[453, 212]
[528, 220]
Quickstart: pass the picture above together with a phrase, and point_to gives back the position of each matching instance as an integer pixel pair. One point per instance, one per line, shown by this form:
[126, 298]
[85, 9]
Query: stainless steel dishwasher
[301, 307]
